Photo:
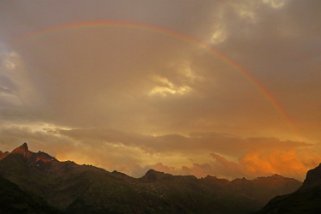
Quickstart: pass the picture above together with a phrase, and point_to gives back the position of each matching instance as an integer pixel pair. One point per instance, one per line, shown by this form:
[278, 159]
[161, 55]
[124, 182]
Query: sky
[225, 88]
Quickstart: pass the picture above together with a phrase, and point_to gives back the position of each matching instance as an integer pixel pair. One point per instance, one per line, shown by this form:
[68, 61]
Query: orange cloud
[290, 162]
[273, 162]
[287, 162]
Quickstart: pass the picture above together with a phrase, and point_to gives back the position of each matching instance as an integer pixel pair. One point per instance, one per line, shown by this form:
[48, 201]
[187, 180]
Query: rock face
[73, 188]
[22, 150]
[307, 199]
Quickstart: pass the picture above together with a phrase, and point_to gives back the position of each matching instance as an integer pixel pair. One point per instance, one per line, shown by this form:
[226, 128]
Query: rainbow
[176, 35]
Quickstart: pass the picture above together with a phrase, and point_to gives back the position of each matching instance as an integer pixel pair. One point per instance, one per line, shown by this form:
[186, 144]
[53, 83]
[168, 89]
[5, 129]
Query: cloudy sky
[227, 88]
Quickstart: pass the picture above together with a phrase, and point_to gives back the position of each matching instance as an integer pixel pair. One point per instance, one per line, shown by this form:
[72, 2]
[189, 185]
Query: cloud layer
[130, 98]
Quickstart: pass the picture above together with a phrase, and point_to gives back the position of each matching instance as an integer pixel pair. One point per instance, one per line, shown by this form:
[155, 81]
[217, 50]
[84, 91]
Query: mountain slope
[307, 199]
[14, 200]
[74, 188]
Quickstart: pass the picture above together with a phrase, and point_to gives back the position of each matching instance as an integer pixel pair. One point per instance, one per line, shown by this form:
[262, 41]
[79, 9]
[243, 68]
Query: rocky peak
[23, 147]
[22, 150]
[32, 156]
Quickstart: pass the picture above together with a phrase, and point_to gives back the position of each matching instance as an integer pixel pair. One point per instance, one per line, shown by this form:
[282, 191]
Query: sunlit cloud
[9, 60]
[275, 3]
[181, 71]
[245, 10]
[219, 34]
[165, 87]
[8, 82]
[12, 76]
[187, 72]
[35, 127]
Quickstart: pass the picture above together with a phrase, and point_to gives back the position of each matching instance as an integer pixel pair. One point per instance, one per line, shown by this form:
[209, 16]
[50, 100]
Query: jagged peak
[23, 146]
[22, 150]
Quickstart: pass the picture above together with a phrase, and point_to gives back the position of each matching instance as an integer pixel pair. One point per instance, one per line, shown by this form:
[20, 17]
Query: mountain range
[36, 182]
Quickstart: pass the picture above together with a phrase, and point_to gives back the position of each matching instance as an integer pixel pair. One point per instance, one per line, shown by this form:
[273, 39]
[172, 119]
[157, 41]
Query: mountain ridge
[72, 188]
[24, 151]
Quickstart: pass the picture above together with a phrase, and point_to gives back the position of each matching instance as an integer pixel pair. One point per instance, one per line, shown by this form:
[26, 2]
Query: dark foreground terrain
[38, 183]
[306, 200]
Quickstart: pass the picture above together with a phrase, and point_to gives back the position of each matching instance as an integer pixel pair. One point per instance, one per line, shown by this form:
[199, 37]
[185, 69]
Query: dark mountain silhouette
[14, 200]
[73, 188]
[307, 199]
